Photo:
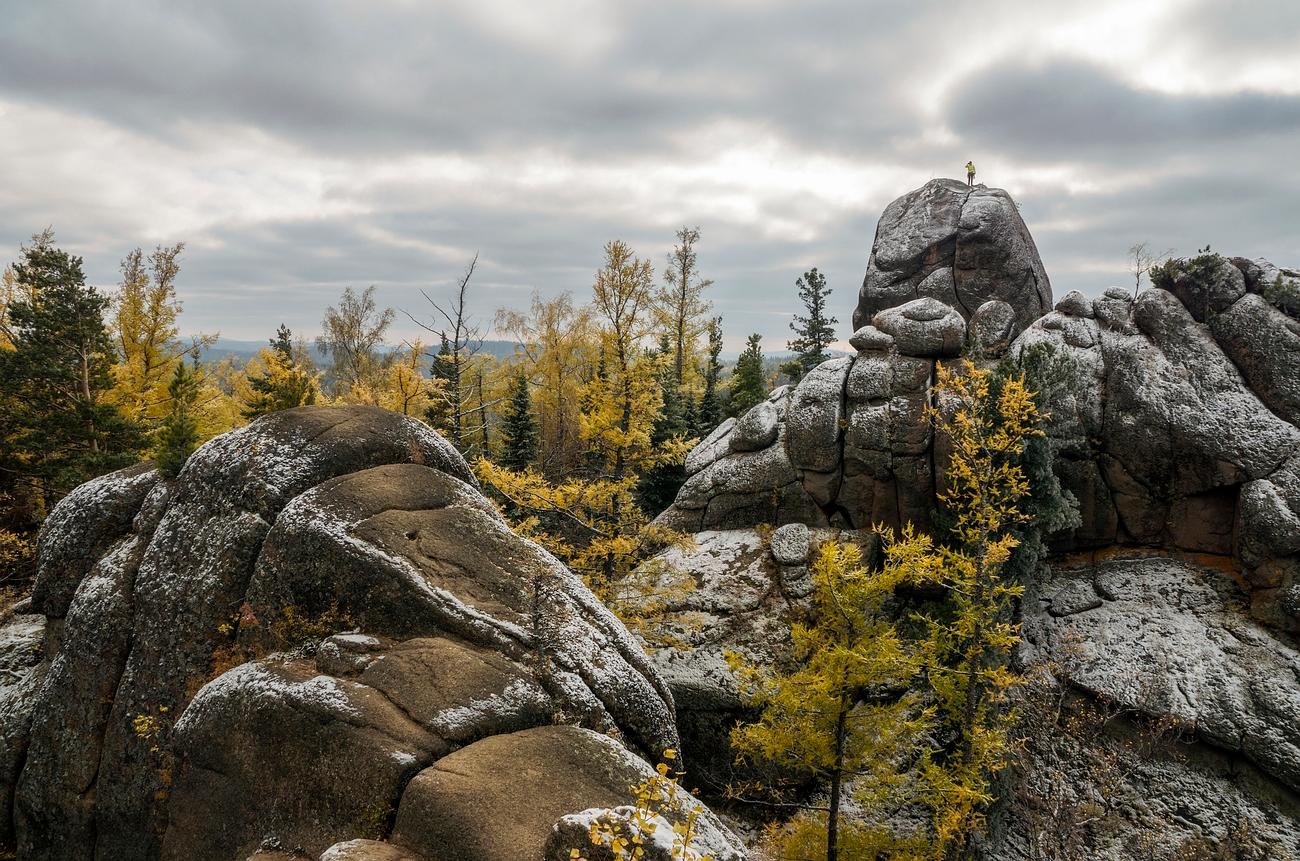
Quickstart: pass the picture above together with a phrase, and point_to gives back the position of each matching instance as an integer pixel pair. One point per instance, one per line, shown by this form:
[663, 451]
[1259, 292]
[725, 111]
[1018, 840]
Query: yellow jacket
[970, 167]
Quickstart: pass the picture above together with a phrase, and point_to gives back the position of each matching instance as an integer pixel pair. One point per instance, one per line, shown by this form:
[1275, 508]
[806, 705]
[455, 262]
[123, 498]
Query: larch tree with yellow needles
[937, 744]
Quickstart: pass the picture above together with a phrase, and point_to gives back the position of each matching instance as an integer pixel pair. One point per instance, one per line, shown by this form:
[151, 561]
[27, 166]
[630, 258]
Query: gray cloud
[1070, 110]
[302, 146]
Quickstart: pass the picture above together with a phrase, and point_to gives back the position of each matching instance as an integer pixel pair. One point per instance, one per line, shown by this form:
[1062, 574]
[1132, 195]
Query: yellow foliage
[874, 697]
[656, 800]
[597, 529]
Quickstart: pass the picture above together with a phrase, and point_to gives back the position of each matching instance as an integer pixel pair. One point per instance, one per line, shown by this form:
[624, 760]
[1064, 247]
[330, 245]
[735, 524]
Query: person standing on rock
[970, 173]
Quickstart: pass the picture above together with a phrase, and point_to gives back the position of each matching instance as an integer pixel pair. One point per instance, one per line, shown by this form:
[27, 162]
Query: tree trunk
[837, 776]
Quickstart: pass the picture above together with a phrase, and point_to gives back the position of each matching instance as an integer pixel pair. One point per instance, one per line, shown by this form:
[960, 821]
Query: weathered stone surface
[923, 327]
[1206, 286]
[709, 449]
[992, 327]
[368, 850]
[1169, 637]
[23, 665]
[1075, 304]
[869, 339]
[660, 841]
[165, 730]
[756, 429]
[813, 417]
[263, 748]
[743, 603]
[1264, 344]
[959, 245]
[790, 544]
[1264, 278]
[462, 808]
[81, 528]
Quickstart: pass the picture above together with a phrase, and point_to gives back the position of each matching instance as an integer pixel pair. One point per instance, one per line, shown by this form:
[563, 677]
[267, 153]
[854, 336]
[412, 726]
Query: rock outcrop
[958, 245]
[1174, 424]
[302, 645]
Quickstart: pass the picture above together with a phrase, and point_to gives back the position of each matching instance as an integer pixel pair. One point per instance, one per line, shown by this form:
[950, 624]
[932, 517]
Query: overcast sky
[301, 146]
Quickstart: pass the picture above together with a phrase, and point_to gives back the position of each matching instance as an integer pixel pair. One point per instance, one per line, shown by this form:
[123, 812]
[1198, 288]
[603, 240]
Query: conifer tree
[178, 435]
[519, 435]
[61, 428]
[710, 412]
[660, 482]
[940, 746]
[438, 413]
[813, 333]
[748, 383]
[285, 382]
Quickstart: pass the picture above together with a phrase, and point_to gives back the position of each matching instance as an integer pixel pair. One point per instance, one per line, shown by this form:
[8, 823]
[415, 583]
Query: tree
[519, 434]
[557, 349]
[710, 413]
[748, 384]
[459, 338]
[144, 327]
[680, 305]
[660, 482]
[813, 333]
[178, 435]
[404, 388]
[623, 402]
[967, 650]
[1141, 260]
[827, 717]
[914, 706]
[352, 333]
[54, 382]
[287, 379]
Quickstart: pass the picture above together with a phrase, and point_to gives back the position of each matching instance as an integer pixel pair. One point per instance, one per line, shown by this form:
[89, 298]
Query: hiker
[970, 173]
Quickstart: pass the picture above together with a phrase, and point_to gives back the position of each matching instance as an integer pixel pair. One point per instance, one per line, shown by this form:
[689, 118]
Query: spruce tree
[813, 333]
[748, 385]
[710, 411]
[60, 427]
[179, 434]
[660, 481]
[442, 371]
[519, 435]
[284, 384]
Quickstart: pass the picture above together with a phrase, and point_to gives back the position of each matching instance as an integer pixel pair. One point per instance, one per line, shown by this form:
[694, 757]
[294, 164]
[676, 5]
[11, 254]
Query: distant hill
[242, 351]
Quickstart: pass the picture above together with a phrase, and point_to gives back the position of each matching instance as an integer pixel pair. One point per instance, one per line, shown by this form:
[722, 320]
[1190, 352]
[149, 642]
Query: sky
[301, 146]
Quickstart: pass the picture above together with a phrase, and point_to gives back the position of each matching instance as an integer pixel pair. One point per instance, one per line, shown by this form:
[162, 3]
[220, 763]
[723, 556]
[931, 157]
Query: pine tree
[285, 382]
[748, 384]
[710, 412]
[178, 435]
[815, 332]
[61, 428]
[519, 435]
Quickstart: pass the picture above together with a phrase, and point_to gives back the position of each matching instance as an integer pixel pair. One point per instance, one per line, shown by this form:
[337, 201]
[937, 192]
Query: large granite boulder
[961, 246]
[258, 658]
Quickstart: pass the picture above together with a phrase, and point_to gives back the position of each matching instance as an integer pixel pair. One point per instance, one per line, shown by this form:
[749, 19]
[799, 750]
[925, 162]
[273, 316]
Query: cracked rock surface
[263, 657]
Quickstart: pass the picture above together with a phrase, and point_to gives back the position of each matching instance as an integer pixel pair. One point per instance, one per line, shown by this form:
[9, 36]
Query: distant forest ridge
[245, 350]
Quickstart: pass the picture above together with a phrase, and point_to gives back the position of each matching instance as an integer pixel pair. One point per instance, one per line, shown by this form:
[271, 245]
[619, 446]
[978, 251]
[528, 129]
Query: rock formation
[1175, 425]
[319, 638]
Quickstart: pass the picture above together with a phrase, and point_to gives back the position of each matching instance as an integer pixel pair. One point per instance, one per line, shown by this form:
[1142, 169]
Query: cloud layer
[302, 146]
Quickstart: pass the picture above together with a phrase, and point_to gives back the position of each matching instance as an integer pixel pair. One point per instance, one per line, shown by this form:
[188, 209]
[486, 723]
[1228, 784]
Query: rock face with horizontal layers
[274, 653]
[1174, 421]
